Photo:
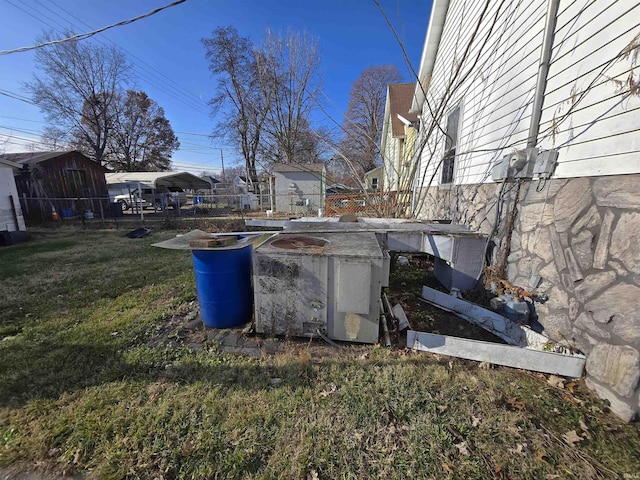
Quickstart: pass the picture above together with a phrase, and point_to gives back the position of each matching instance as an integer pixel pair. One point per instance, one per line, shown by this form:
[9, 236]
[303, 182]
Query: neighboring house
[299, 187]
[575, 236]
[374, 179]
[67, 181]
[212, 180]
[239, 184]
[398, 136]
[10, 212]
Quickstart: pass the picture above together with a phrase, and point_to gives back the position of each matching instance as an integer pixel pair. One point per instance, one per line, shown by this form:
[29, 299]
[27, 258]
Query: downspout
[543, 72]
[534, 128]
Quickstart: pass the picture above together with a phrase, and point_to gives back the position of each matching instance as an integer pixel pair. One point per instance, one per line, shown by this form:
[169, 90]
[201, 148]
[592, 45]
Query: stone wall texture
[582, 238]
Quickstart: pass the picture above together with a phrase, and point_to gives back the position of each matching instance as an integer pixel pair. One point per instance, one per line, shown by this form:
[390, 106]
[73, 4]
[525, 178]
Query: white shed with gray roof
[299, 187]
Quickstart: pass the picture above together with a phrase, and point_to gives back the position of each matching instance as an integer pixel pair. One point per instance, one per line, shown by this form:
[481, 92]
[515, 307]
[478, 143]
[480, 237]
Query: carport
[183, 180]
[126, 181]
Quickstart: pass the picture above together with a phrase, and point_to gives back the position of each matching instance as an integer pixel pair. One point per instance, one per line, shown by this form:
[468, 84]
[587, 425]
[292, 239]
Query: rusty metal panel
[290, 294]
[326, 282]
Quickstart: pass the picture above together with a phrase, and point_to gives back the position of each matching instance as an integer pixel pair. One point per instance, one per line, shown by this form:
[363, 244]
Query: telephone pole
[222, 160]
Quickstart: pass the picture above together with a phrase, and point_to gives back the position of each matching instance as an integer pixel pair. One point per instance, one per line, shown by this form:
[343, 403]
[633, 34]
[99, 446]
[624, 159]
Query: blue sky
[169, 61]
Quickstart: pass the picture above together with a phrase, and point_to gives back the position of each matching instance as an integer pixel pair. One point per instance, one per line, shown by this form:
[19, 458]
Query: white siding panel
[622, 164]
[497, 93]
[586, 114]
[599, 120]
[615, 144]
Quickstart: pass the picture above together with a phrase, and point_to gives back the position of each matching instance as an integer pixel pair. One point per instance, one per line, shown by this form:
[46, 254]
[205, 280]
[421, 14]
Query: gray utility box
[326, 282]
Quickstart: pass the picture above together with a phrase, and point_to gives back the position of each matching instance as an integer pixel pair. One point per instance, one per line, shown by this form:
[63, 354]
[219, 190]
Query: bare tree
[141, 137]
[364, 118]
[76, 87]
[232, 59]
[290, 82]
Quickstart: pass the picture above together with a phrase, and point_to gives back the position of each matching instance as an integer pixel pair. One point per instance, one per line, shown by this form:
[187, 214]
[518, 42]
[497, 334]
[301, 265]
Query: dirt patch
[405, 288]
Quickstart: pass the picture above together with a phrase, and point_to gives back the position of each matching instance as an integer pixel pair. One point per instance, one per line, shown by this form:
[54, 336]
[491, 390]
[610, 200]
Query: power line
[15, 96]
[196, 134]
[29, 13]
[159, 73]
[83, 36]
[22, 119]
[157, 79]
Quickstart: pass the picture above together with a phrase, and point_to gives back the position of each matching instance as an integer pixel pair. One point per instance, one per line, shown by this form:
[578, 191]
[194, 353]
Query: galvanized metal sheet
[507, 355]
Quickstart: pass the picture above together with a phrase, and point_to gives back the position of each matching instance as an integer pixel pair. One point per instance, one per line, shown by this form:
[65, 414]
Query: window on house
[374, 183]
[450, 145]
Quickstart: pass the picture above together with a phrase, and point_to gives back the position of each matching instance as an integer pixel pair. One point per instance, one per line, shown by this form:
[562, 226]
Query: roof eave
[9, 163]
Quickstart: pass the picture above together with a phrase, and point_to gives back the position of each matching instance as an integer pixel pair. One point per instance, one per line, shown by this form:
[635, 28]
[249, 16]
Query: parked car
[156, 198]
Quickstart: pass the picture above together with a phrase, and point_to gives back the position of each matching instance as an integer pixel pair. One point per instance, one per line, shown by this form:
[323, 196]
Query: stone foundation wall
[582, 238]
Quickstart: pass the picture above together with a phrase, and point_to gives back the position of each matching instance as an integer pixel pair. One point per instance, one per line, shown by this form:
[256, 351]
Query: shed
[240, 184]
[66, 180]
[10, 212]
[299, 187]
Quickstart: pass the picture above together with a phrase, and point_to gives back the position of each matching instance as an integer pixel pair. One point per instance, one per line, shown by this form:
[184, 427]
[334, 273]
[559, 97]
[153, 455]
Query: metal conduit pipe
[543, 72]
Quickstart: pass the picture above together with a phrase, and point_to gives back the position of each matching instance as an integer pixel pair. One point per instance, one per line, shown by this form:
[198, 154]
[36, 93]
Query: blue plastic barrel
[223, 285]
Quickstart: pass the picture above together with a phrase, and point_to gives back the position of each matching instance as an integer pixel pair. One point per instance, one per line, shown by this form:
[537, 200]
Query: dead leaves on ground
[463, 448]
[515, 404]
[555, 381]
[572, 436]
[520, 449]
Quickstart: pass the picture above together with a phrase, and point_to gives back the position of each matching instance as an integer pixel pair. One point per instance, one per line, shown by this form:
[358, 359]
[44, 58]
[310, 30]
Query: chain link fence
[369, 204]
[377, 204]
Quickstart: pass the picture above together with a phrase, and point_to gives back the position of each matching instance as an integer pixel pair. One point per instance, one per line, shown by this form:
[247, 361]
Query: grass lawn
[83, 391]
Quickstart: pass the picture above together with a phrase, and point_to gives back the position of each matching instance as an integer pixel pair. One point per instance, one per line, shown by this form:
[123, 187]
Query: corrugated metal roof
[299, 167]
[154, 179]
[400, 98]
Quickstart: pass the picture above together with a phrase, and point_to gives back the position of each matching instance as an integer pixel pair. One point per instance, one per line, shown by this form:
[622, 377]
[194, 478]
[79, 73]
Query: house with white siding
[374, 179]
[530, 133]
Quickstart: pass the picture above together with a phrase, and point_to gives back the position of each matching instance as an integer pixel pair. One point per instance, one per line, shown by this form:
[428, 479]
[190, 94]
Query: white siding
[586, 113]
[592, 121]
[390, 154]
[495, 86]
[8, 192]
[308, 194]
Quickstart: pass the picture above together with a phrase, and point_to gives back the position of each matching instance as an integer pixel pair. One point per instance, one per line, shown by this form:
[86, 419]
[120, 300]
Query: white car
[156, 198]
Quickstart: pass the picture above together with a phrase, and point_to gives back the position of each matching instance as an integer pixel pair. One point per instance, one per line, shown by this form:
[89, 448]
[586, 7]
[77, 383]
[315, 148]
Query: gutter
[429, 52]
[543, 72]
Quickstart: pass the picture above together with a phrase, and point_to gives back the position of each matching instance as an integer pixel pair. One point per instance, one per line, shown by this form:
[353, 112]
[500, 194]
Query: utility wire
[153, 76]
[15, 96]
[170, 87]
[83, 36]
